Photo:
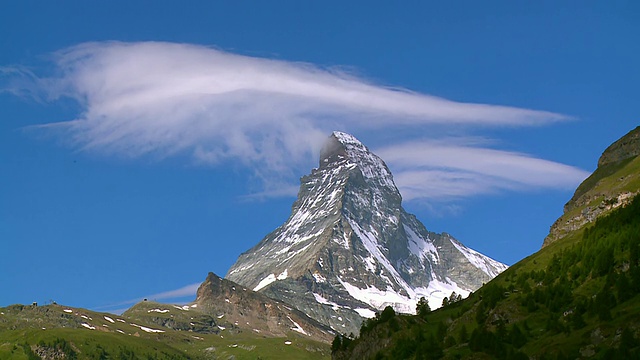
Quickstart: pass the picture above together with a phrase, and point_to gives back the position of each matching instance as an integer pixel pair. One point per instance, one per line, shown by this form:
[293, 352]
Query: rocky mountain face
[626, 147]
[240, 309]
[613, 184]
[226, 308]
[350, 249]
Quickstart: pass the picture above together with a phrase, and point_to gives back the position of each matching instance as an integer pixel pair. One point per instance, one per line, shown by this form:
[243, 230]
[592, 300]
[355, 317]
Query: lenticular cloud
[439, 170]
[161, 99]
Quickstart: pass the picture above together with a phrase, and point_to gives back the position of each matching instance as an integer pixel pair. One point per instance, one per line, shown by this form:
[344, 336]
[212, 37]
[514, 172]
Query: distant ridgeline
[576, 298]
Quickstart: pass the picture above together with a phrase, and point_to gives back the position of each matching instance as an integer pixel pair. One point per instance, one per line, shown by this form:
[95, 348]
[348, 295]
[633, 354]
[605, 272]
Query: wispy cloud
[162, 99]
[436, 170]
[181, 293]
[188, 290]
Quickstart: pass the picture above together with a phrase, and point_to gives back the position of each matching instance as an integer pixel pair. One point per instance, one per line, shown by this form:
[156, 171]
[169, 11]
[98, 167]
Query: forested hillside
[576, 298]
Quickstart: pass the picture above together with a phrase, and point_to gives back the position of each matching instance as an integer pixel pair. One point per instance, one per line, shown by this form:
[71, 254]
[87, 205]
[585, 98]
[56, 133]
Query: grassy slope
[21, 325]
[602, 185]
[554, 297]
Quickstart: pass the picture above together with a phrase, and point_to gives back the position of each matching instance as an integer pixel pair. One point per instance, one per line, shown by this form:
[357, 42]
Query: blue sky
[146, 144]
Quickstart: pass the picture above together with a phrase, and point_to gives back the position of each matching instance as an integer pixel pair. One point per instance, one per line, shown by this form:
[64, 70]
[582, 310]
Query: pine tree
[422, 308]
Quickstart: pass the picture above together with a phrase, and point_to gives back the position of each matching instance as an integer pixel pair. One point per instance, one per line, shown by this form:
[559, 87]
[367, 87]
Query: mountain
[62, 332]
[578, 297]
[242, 309]
[613, 184]
[226, 321]
[349, 249]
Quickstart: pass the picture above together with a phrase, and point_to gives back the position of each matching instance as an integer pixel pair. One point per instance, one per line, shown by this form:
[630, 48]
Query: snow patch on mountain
[366, 313]
[482, 262]
[146, 329]
[319, 298]
[379, 299]
[264, 282]
[372, 166]
[158, 311]
[373, 247]
[297, 328]
[422, 248]
[269, 279]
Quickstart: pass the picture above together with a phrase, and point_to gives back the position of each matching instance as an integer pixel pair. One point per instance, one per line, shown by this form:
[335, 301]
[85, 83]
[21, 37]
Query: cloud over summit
[162, 99]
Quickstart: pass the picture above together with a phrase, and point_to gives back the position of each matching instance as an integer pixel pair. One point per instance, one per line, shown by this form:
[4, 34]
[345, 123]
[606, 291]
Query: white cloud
[162, 99]
[183, 292]
[188, 290]
[436, 170]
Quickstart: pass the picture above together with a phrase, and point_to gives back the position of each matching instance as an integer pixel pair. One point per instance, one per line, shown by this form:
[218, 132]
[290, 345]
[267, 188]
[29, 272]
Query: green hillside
[612, 184]
[59, 332]
[577, 298]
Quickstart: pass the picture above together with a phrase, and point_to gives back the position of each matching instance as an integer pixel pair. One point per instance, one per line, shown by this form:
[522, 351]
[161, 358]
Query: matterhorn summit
[350, 249]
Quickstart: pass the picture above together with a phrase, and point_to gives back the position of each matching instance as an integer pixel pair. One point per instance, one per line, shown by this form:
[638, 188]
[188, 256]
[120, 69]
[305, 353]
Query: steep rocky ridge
[241, 309]
[613, 184]
[349, 248]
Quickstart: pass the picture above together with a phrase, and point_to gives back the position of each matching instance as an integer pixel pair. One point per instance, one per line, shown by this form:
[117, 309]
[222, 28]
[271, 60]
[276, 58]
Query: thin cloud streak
[435, 170]
[114, 76]
[189, 290]
[185, 291]
[157, 99]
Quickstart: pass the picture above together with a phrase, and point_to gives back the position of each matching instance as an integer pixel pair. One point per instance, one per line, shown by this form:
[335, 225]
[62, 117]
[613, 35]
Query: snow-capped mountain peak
[342, 145]
[349, 243]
